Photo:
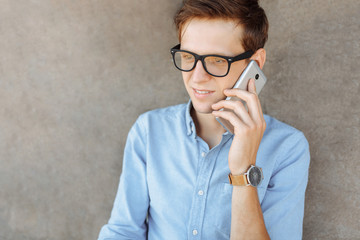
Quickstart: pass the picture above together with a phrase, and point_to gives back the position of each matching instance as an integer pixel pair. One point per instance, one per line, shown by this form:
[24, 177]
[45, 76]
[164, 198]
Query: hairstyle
[247, 13]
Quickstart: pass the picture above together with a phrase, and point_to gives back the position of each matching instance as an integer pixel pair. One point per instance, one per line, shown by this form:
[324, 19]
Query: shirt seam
[283, 150]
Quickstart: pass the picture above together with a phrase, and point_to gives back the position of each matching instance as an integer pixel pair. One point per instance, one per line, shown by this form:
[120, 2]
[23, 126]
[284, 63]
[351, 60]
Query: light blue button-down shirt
[173, 186]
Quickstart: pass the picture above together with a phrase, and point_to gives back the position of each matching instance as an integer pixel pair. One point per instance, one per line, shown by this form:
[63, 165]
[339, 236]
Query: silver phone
[251, 71]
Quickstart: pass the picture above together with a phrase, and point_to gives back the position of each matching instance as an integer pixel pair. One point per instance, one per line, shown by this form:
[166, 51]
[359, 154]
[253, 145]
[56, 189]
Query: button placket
[200, 197]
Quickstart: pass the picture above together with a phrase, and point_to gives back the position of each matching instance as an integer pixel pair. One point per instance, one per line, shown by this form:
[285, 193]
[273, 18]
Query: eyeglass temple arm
[242, 56]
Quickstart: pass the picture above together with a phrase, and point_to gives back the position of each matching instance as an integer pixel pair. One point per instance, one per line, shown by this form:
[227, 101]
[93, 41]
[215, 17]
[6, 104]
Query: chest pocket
[223, 219]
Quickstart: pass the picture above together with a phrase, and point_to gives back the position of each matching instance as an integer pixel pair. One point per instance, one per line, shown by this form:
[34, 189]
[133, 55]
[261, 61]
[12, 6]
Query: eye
[187, 56]
[219, 60]
[216, 60]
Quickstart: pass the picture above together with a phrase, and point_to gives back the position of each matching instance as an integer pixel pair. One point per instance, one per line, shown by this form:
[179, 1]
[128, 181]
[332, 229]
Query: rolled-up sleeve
[128, 216]
[283, 203]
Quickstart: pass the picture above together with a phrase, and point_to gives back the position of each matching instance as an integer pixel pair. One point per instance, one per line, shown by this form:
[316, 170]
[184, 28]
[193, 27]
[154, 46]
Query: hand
[249, 126]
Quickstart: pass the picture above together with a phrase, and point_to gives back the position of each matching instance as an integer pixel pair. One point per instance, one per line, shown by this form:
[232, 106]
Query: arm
[249, 126]
[283, 203]
[131, 204]
[282, 208]
[247, 218]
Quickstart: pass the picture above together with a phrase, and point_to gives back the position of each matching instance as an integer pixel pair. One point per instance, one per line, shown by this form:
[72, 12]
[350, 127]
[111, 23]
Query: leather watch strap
[238, 180]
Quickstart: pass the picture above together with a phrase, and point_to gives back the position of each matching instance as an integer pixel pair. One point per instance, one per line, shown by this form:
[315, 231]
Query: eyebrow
[213, 53]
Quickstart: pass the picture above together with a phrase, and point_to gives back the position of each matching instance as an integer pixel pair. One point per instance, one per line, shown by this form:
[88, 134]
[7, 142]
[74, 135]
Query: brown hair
[247, 13]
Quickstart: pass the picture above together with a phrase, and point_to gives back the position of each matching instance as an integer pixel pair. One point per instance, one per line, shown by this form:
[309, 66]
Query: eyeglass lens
[213, 64]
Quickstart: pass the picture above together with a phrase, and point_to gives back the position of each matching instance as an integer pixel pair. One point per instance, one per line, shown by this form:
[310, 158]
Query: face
[211, 37]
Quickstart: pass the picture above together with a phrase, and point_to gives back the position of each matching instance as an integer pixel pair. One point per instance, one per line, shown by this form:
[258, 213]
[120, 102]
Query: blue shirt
[173, 187]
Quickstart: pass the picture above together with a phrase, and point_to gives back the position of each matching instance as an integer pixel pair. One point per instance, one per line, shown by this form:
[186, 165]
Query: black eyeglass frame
[230, 60]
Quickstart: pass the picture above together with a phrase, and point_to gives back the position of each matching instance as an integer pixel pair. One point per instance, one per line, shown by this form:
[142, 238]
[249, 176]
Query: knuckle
[260, 126]
[244, 131]
[228, 114]
[221, 103]
[253, 127]
[253, 96]
[238, 104]
[248, 131]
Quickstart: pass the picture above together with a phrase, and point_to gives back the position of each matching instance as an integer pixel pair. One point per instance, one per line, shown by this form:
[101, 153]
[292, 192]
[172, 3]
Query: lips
[202, 93]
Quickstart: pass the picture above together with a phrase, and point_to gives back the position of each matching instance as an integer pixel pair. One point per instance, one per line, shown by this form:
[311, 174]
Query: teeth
[202, 92]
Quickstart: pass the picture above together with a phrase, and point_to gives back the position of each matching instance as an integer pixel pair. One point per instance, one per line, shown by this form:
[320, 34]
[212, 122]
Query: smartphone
[251, 71]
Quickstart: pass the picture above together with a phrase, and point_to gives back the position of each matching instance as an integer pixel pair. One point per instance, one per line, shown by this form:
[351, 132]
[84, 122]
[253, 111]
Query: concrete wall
[74, 76]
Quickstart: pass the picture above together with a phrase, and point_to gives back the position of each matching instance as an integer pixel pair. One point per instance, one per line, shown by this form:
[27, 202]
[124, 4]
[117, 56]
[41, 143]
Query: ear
[260, 57]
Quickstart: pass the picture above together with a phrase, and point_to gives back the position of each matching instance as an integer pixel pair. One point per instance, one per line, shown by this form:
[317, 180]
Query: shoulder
[163, 118]
[277, 130]
[171, 112]
[273, 124]
[286, 142]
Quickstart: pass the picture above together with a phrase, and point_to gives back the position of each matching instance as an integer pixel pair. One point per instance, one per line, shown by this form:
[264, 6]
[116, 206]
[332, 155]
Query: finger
[252, 86]
[237, 107]
[231, 117]
[252, 89]
[250, 98]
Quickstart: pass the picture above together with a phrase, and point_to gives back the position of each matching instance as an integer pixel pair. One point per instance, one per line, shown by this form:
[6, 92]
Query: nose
[199, 74]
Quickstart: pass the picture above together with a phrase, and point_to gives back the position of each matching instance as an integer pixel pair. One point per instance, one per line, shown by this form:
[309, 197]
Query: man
[174, 183]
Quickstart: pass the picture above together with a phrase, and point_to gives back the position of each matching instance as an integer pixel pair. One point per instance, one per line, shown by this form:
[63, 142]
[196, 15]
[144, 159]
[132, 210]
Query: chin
[202, 108]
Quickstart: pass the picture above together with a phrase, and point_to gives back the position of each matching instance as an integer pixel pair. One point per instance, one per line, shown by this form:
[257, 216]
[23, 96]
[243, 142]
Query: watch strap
[238, 180]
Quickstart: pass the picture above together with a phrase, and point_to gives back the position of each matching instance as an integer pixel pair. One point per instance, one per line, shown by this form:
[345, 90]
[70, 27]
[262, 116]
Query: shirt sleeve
[128, 216]
[283, 203]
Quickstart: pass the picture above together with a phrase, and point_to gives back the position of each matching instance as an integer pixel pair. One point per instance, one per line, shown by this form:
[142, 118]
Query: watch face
[255, 176]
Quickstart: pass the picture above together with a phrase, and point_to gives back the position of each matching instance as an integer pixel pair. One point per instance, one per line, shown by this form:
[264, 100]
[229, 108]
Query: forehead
[216, 36]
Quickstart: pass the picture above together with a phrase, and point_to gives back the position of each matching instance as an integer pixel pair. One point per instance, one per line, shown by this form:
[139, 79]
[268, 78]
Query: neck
[207, 127]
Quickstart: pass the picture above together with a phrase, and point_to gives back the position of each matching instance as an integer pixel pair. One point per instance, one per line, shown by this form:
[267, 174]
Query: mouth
[202, 92]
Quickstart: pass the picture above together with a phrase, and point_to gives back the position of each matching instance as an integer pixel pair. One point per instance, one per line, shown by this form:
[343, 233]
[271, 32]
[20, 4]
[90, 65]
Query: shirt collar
[190, 125]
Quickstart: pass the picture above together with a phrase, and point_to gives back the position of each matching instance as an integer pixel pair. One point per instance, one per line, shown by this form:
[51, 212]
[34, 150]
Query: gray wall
[74, 76]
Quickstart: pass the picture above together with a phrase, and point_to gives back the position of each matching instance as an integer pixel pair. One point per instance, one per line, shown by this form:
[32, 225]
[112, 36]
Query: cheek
[229, 82]
[186, 77]
[238, 67]
[234, 74]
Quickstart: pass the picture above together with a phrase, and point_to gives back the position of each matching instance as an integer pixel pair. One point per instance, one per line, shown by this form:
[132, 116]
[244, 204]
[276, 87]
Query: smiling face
[217, 36]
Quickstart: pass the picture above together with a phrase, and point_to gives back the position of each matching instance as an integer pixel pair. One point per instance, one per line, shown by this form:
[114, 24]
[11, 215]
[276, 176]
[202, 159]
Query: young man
[174, 183]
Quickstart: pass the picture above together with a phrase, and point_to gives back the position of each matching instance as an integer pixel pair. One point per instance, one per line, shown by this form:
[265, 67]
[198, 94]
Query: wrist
[240, 168]
[252, 177]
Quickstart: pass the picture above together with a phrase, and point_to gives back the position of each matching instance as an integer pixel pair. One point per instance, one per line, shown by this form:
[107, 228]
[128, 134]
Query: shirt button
[195, 232]
[201, 192]
[203, 154]
[192, 128]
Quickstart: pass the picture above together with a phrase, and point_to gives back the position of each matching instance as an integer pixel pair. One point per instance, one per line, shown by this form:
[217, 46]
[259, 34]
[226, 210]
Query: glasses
[215, 65]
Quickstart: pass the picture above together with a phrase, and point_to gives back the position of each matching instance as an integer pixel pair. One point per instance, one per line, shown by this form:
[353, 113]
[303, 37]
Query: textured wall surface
[74, 76]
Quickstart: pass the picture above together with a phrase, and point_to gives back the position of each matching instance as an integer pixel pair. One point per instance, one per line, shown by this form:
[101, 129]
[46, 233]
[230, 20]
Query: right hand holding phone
[249, 126]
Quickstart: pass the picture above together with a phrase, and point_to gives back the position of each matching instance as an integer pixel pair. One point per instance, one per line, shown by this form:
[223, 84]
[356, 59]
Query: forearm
[249, 126]
[247, 220]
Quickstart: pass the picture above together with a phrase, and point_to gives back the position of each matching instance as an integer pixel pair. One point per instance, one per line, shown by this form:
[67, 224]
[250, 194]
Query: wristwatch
[253, 177]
